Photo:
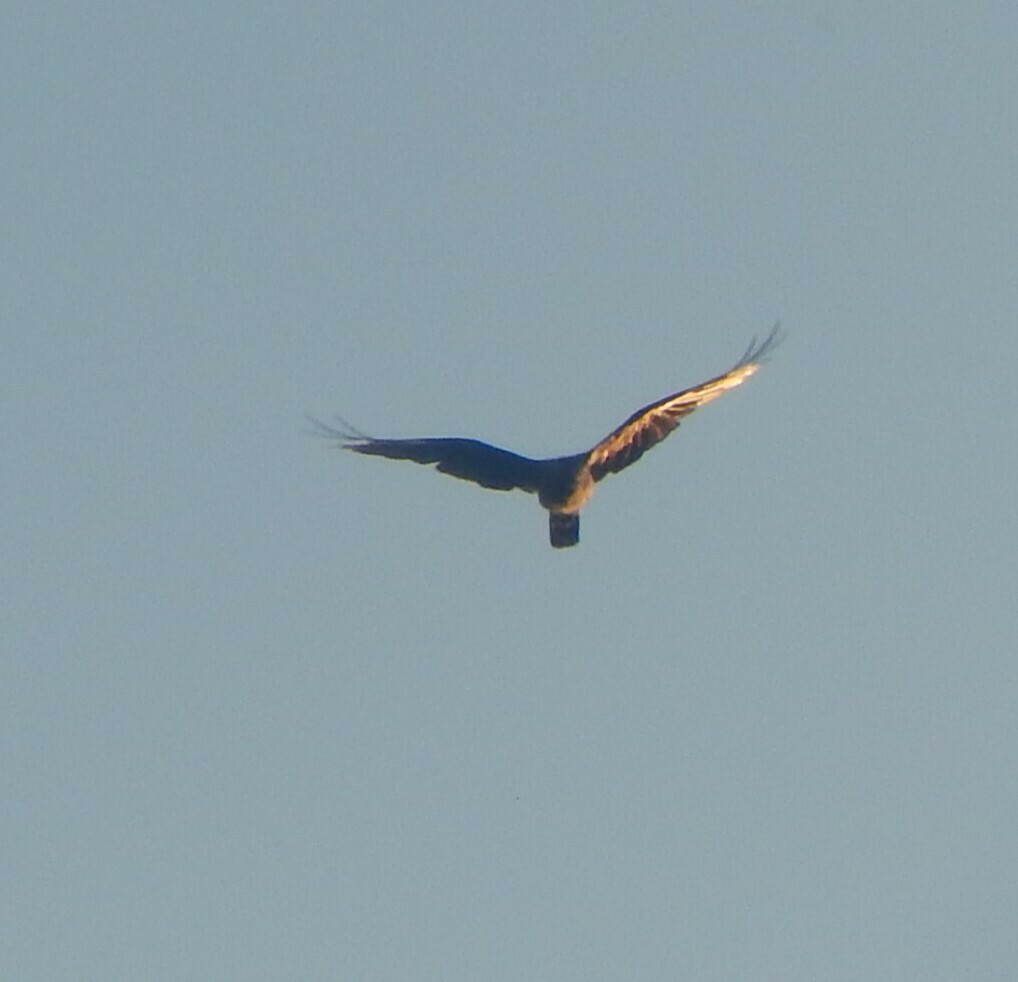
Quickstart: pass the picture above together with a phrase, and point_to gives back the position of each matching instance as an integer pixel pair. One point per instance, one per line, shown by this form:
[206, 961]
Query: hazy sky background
[273, 711]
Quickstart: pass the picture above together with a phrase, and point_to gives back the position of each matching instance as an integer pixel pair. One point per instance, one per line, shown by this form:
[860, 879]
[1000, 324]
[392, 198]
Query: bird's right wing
[650, 425]
[470, 460]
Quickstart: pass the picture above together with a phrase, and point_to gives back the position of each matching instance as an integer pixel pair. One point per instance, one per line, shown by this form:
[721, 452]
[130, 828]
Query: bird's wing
[471, 460]
[650, 425]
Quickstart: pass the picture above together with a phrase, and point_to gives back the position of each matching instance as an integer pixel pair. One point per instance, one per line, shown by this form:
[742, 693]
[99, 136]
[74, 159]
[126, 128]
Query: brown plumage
[562, 484]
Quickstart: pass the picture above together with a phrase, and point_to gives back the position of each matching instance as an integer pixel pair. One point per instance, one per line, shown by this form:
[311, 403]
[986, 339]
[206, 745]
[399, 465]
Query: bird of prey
[562, 484]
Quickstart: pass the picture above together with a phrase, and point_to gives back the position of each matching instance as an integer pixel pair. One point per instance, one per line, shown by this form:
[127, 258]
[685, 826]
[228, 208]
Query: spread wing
[471, 460]
[650, 425]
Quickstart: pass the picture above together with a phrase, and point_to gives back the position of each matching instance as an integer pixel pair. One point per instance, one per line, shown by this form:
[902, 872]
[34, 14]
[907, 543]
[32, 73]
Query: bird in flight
[562, 484]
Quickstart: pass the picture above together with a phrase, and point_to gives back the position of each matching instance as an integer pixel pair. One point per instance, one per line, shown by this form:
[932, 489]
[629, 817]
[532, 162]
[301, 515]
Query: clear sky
[275, 711]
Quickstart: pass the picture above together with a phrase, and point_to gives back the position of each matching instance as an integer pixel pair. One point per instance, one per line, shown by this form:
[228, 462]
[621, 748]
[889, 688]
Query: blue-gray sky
[272, 711]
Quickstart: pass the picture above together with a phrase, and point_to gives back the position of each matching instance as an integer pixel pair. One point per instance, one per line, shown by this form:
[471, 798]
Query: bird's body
[562, 484]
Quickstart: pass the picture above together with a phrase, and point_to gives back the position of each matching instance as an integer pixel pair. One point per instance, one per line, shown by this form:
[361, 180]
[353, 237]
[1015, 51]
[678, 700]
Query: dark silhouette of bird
[562, 484]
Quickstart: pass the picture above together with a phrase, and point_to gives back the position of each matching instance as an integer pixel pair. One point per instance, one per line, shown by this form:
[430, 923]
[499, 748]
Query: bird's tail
[564, 529]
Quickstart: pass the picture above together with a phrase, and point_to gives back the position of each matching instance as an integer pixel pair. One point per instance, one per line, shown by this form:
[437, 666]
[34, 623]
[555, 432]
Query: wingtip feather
[757, 353]
[345, 435]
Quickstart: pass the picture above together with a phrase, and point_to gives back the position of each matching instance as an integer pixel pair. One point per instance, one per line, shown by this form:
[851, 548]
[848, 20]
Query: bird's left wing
[650, 425]
[470, 460]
